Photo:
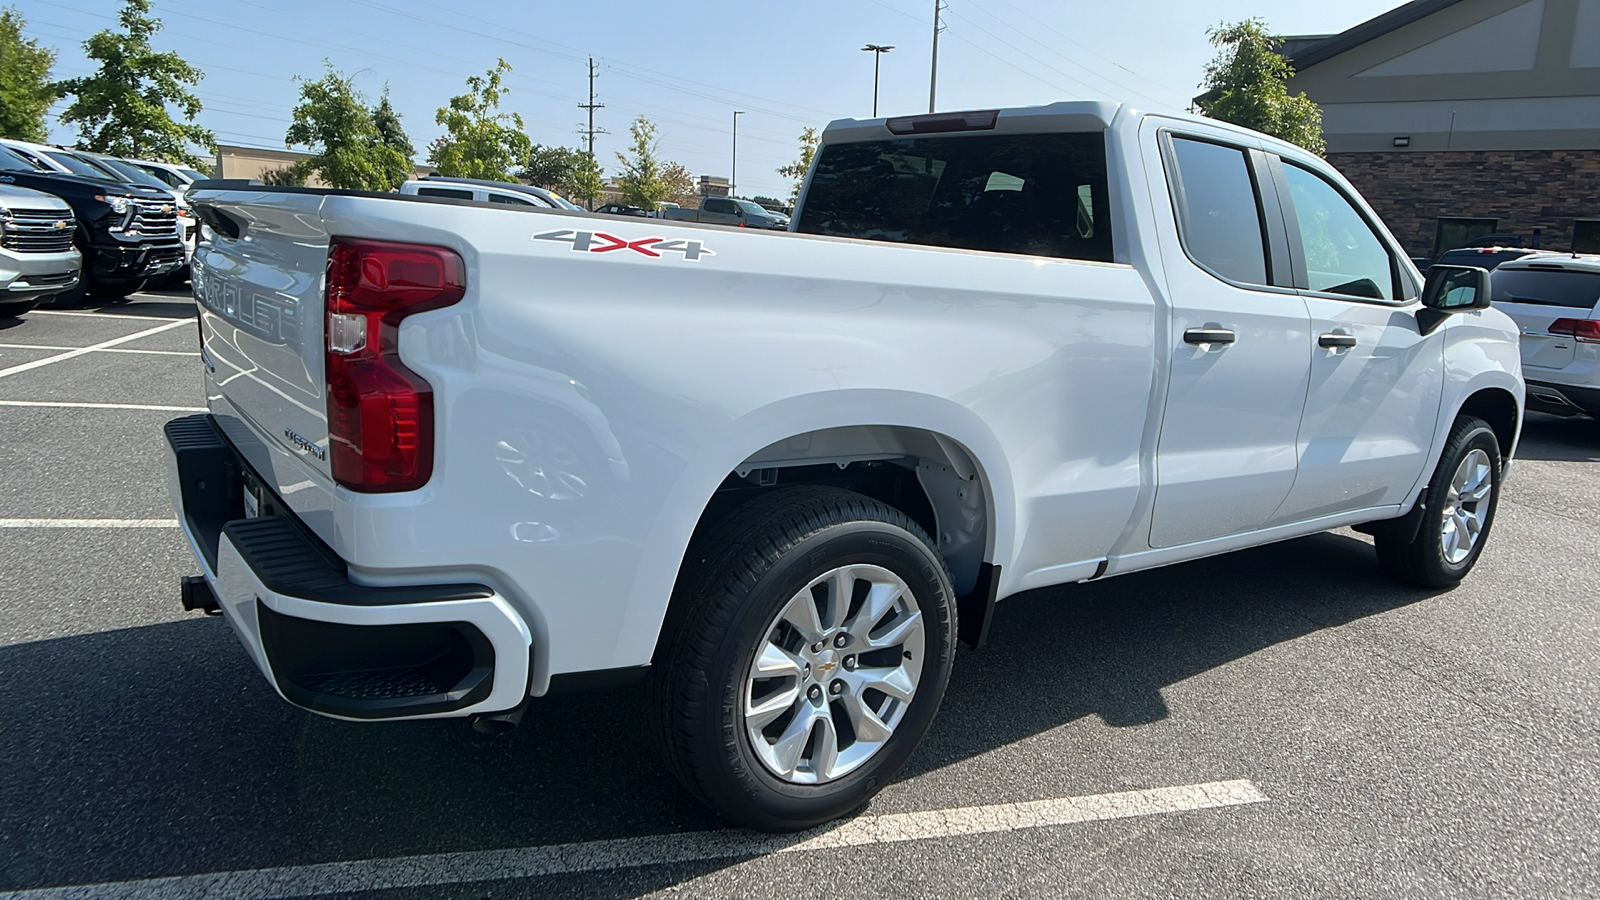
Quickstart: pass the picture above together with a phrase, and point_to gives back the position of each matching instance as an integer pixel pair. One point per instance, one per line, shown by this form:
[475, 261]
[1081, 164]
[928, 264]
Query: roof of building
[1306, 51]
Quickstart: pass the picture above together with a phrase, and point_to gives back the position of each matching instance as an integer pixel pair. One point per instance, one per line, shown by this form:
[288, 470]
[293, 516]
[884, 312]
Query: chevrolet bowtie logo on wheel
[600, 242]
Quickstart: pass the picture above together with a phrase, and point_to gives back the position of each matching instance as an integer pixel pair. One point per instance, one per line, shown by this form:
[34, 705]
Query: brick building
[1461, 118]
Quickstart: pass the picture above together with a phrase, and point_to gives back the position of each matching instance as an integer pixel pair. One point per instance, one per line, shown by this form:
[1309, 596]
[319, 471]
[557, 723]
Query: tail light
[1585, 330]
[380, 414]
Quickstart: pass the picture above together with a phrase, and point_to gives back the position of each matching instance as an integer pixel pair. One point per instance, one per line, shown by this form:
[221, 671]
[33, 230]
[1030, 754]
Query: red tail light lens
[1585, 330]
[380, 414]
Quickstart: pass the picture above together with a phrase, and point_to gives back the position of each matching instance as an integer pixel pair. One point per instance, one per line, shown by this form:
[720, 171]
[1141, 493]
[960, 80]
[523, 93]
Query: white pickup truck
[458, 457]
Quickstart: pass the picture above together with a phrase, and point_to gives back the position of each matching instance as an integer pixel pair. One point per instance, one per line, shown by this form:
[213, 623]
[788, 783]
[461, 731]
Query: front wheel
[1458, 510]
[813, 640]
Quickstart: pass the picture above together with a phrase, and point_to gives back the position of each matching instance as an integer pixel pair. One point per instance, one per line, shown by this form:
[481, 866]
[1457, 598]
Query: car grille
[153, 220]
[38, 231]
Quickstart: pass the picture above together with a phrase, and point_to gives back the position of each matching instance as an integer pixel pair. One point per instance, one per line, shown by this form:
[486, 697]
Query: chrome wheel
[835, 674]
[1466, 506]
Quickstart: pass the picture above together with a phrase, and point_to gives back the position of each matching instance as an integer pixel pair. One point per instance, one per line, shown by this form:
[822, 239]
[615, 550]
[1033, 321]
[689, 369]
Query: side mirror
[1456, 288]
[1450, 290]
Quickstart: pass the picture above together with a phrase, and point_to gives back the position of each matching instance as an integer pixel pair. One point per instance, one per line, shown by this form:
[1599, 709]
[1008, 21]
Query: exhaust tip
[196, 594]
[499, 723]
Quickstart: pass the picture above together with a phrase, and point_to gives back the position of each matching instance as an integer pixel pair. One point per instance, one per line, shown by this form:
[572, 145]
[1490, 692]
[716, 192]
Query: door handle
[1345, 341]
[1208, 336]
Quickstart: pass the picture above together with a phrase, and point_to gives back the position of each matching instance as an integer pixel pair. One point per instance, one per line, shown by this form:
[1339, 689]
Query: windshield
[10, 161]
[131, 173]
[79, 166]
[563, 202]
[193, 175]
[1547, 287]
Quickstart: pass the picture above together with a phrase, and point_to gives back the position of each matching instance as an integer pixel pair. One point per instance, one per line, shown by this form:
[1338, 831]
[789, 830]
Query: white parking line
[600, 856]
[106, 350]
[88, 523]
[92, 315]
[68, 404]
[70, 354]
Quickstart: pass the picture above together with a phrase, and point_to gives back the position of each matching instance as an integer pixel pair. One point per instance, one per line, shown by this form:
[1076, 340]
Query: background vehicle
[1489, 257]
[499, 452]
[728, 211]
[125, 234]
[174, 176]
[37, 258]
[622, 209]
[1555, 301]
[502, 192]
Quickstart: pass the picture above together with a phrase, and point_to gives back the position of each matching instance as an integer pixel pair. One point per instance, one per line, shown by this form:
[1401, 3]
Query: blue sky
[685, 65]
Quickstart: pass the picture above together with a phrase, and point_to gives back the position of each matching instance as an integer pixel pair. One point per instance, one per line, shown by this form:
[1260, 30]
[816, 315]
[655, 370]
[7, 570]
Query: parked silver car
[37, 259]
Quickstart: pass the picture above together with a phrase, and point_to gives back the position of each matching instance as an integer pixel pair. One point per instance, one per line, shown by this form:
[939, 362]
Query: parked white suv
[1555, 301]
[478, 190]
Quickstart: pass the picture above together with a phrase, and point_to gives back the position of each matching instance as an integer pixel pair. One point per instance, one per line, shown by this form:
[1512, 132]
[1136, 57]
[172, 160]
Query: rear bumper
[326, 643]
[1563, 399]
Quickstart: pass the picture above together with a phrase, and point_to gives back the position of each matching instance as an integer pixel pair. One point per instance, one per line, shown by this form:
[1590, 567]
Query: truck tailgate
[259, 286]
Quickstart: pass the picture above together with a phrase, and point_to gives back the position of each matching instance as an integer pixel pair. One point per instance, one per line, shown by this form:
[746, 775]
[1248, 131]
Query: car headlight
[119, 205]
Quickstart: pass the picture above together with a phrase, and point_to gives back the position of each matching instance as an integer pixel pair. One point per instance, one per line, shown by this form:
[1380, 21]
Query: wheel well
[1498, 408]
[927, 476]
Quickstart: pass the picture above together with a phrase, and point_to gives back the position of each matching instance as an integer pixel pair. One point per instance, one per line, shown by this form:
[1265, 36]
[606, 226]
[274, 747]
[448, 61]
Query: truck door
[1376, 380]
[1240, 340]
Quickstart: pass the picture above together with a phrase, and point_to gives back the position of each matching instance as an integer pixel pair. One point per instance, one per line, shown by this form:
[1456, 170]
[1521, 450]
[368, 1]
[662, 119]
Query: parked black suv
[127, 234]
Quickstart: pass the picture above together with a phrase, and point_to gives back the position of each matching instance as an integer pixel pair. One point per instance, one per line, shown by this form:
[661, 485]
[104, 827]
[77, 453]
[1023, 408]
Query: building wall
[1475, 75]
[1549, 190]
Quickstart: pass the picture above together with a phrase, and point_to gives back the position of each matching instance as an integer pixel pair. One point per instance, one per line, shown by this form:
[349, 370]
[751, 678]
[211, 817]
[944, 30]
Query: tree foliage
[1247, 84]
[123, 108]
[643, 179]
[390, 132]
[798, 169]
[588, 182]
[680, 184]
[26, 91]
[480, 141]
[570, 173]
[350, 150]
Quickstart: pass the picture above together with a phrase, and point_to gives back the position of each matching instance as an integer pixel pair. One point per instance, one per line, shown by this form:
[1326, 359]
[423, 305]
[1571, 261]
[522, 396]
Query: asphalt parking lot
[1281, 722]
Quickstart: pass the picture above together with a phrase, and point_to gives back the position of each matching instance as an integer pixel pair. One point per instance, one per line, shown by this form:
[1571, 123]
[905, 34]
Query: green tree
[642, 181]
[390, 132]
[122, 109]
[680, 184]
[479, 141]
[26, 91]
[350, 151]
[552, 168]
[1248, 84]
[798, 169]
[588, 182]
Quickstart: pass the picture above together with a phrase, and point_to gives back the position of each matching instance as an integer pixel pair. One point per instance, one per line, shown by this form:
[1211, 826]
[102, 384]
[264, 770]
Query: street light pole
[877, 51]
[733, 179]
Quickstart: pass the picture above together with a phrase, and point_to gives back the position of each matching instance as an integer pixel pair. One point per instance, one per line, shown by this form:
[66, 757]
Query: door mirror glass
[1456, 288]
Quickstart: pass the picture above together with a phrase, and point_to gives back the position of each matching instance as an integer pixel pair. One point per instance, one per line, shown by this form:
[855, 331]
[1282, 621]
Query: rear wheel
[813, 638]
[1458, 511]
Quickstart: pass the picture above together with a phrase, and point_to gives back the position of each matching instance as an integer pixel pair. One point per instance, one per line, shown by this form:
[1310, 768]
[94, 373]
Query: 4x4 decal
[600, 242]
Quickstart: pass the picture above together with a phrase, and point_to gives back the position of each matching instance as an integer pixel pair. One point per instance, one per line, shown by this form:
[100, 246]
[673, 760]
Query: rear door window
[1219, 215]
[1035, 194]
[444, 192]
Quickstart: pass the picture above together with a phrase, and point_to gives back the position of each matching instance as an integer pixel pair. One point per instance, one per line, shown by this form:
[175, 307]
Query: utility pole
[733, 179]
[939, 6]
[877, 51]
[591, 131]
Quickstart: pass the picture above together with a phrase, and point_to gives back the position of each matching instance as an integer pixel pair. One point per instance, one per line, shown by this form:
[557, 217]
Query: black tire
[12, 309]
[736, 580]
[1422, 559]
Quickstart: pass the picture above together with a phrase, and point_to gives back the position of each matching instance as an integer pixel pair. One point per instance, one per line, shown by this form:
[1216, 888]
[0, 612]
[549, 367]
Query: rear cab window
[1033, 194]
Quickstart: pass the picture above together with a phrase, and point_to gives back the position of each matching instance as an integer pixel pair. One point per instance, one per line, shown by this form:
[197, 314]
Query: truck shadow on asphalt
[1559, 438]
[160, 751]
